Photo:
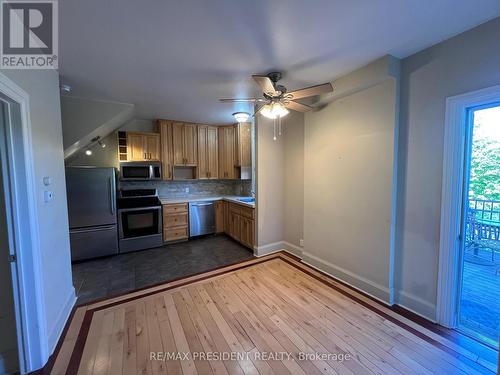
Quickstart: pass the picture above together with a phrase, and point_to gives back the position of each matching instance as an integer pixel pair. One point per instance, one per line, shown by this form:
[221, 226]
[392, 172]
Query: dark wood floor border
[45, 370]
[77, 353]
[386, 316]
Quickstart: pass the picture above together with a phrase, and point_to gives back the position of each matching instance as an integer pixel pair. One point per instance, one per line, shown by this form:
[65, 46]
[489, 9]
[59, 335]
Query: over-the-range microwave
[140, 170]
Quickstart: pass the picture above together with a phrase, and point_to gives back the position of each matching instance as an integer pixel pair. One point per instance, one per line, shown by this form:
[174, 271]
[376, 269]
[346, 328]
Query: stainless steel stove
[139, 220]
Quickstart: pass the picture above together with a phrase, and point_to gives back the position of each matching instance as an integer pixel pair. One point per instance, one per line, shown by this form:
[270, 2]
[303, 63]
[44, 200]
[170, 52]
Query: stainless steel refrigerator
[91, 193]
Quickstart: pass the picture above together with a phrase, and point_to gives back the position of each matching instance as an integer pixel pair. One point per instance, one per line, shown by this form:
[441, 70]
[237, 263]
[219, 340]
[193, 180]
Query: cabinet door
[152, 143]
[203, 167]
[190, 144]
[226, 217]
[226, 152]
[212, 153]
[178, 143]
[219, 216]
[245, 144]
[166, 153]
[234, 225]
[247, 231]
[135, 147]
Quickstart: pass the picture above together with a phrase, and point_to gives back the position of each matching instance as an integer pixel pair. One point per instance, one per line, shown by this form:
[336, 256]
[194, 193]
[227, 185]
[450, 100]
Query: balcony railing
[483, 226]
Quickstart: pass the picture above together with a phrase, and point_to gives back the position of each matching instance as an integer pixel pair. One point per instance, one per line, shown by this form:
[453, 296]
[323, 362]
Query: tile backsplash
[177, 189]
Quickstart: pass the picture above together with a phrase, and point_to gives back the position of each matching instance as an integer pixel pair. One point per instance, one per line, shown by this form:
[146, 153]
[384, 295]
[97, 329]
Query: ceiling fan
[276, 100]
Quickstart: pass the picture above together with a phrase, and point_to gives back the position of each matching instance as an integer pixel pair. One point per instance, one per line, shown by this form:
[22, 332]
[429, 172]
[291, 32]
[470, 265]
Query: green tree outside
[484, 180]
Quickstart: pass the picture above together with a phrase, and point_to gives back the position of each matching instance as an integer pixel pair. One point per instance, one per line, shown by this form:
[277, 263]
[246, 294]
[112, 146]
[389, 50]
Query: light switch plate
[48, 196]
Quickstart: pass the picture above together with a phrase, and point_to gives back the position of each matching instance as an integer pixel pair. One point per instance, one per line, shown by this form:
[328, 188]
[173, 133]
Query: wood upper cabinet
[190, 146]
[153, 146]
[184, 142]
[143, 146]
[244, 144]
[227, 152]
[208, 152]
[166, 153]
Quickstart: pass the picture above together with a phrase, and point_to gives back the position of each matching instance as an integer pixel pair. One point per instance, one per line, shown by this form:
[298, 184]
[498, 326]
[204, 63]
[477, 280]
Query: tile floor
[110, 276]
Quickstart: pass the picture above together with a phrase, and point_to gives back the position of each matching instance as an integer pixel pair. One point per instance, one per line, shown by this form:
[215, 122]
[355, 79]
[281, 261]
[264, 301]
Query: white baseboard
[62, 318]
[275, 247]
[408, 301]
[358, 282]
[416, 305]
[269, 248]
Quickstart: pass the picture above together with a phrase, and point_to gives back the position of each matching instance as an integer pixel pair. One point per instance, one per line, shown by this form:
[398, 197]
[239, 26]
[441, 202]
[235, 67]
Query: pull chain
[274, 129]
[279, 126]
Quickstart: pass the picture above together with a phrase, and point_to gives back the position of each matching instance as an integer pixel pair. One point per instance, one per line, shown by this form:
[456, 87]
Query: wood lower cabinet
[175, 222]
[247, 231]
[208, 152]
[239, 223]
[219, 216]
[143, 146]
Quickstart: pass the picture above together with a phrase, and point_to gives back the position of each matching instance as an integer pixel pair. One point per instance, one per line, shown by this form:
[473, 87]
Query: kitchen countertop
[229, 198]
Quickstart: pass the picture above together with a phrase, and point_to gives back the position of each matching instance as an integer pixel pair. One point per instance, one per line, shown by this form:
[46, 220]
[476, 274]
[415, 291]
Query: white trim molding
[29, 291]
[274, 247]
[358, 282]
[452, 198]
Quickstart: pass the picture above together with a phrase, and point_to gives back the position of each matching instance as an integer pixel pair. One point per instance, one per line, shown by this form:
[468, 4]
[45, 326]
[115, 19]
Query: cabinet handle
[145, 156]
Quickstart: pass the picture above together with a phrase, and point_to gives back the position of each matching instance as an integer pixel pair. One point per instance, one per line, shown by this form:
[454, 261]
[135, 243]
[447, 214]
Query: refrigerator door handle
[112, 195]
[87, 230]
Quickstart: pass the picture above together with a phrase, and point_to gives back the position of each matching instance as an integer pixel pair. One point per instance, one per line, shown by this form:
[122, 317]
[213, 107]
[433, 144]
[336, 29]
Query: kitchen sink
[246, 200]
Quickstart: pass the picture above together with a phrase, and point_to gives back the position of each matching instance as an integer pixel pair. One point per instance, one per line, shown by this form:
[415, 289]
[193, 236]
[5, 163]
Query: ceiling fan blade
[298, 106]
[258, 111]
[311, 91]
[265, 84]
[248, 100]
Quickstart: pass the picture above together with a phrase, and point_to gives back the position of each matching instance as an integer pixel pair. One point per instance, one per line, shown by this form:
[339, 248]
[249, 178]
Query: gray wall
[293, 215]
[349, 183]
[467, 62]
[280, 184]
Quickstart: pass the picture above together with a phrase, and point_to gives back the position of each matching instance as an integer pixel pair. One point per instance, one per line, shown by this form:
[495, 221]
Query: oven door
[139, 222]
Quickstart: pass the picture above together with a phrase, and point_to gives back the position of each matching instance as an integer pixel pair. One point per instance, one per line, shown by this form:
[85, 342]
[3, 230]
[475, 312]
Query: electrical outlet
[187, 190]
[301, 242]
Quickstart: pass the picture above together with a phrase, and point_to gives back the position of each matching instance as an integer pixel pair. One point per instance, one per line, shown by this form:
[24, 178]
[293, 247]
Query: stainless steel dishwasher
[201, 218]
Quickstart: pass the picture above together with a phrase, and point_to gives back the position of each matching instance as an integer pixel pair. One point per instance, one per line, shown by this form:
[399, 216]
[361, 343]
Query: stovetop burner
[138, 198]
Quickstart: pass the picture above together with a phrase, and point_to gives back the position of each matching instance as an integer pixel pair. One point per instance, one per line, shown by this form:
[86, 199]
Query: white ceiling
[175, 58]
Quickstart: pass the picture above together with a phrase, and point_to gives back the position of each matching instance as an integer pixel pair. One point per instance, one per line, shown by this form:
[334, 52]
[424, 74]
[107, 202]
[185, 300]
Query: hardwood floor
[272, 315]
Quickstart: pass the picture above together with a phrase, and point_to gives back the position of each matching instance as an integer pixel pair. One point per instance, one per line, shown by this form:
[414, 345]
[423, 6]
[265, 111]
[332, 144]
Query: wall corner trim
[276, 247]
[416, 305]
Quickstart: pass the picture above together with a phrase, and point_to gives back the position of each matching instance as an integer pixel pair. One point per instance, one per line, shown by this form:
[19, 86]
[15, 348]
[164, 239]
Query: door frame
[21, 205]
[452, 199]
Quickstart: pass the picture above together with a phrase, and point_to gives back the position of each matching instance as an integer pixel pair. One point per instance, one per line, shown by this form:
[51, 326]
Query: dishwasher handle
[202, 204]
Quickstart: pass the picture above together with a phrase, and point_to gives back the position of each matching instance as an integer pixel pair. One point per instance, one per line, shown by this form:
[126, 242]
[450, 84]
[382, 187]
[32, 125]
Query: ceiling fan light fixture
[274, 110]
[241, 116]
